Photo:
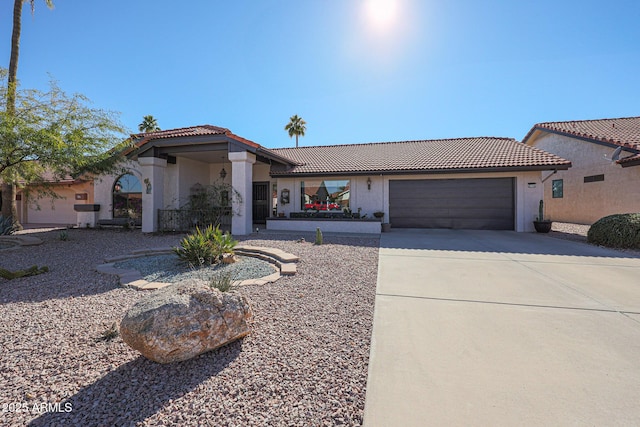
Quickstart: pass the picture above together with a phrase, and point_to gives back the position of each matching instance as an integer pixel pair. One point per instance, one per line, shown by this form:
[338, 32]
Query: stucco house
[35, 207]
[475, 183]
[604, 176]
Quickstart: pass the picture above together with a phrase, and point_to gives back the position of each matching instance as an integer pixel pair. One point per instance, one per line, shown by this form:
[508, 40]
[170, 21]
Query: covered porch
[181, 168]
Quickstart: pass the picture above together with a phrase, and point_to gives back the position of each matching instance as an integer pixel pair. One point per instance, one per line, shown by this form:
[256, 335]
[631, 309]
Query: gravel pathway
[304, 364]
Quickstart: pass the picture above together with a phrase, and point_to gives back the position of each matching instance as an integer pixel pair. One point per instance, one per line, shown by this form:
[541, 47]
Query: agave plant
[7, 226]
[205, 247]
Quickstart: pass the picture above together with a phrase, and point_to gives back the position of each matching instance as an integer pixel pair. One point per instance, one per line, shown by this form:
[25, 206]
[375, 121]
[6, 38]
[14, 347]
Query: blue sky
[355, 70]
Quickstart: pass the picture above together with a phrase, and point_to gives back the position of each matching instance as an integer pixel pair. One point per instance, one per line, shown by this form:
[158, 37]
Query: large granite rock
[184, 320]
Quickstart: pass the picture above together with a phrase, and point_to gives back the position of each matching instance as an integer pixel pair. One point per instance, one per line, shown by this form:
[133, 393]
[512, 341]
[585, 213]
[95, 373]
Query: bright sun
[381, 14]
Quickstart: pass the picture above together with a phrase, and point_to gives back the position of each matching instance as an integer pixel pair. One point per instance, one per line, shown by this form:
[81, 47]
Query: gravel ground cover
[304, 364]
[569, 231]
[578, 233]
[168, 268]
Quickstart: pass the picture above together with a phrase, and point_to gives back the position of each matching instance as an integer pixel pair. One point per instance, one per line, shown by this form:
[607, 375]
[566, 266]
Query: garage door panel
[486, 203]
[431, 203]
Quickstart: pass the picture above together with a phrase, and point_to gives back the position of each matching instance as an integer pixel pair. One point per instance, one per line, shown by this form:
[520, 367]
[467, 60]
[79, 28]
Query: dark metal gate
[260, 202]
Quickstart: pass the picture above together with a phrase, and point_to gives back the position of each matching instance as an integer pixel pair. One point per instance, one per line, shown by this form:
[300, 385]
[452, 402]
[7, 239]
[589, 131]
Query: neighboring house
[39, 208]
[603, 179]
[475, 183]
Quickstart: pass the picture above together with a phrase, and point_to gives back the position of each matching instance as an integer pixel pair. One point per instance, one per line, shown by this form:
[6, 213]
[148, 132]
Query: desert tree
[51, 135]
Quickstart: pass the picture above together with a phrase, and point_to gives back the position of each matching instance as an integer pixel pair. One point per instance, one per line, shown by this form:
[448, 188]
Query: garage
[49, 211]
[470, 203]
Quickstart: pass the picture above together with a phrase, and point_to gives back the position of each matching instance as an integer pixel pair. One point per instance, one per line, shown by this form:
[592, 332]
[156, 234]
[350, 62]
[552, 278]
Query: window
[593, 178]
[127, 197]
[326, 195]
[557, 188]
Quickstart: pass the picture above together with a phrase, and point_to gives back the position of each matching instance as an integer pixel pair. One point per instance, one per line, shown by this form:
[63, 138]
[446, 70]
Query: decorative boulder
[183, 320]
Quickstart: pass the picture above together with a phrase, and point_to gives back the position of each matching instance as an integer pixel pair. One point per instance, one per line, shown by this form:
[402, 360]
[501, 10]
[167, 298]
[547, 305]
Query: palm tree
[149, 124]
[15, 50]
[296, 126]
[9, 208]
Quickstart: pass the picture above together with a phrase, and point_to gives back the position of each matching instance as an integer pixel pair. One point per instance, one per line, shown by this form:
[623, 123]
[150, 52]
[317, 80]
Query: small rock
[184, 320]
[229, 259]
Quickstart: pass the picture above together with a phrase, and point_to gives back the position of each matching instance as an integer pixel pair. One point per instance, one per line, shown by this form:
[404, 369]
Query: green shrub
[318, 236]
[207, 247]
[616, 231]
[31, 271]
[110, 333]
[7, 226]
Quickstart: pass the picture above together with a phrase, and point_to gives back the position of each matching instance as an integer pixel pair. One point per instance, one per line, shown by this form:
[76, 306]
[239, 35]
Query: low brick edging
[282, 261]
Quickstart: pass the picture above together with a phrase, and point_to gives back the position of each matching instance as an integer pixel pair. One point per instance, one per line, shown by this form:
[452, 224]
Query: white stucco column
[242, 182]
[152, 191]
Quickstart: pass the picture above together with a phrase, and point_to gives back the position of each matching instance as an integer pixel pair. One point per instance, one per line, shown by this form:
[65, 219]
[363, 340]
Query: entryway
[260, 202]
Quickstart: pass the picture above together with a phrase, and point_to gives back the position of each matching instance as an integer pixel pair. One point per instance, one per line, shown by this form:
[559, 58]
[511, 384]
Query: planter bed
[338, 225]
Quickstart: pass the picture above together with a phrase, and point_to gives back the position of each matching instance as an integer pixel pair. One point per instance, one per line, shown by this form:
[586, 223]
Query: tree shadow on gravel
[55, 285]
[137, 390]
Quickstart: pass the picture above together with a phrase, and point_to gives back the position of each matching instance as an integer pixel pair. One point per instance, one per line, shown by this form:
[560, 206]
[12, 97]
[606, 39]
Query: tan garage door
[59, 212]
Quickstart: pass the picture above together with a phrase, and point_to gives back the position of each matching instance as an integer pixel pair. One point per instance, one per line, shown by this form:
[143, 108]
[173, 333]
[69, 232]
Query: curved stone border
[282, 261]
[19, 240]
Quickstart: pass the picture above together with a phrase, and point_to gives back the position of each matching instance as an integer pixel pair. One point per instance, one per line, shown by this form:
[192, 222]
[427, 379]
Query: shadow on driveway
[508, 242]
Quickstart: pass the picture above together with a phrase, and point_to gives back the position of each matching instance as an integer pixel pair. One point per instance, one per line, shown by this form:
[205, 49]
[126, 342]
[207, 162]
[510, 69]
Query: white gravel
[569, 231]
[304, 364]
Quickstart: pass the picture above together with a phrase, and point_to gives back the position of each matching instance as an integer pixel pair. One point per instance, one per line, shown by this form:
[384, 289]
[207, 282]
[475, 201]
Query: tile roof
[201, 130]
[443, 155]
[141, 139]
[624, 132]
[633, 160]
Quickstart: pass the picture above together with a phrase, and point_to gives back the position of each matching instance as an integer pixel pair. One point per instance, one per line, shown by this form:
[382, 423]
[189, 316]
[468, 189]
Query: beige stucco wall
[46, 210]
[585, 203]
[190, 172]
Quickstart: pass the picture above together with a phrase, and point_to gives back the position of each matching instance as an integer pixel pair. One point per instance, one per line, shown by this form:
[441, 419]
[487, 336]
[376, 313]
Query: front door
[260, 202]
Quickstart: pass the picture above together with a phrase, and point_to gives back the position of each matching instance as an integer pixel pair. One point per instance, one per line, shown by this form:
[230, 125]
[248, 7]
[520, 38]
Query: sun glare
[381, 14]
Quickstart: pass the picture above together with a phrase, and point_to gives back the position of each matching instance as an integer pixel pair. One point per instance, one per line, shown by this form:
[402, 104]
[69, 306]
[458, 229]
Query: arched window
[127, 197]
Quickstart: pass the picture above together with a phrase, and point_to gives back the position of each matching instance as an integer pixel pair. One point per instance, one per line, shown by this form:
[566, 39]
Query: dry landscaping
[304, 363]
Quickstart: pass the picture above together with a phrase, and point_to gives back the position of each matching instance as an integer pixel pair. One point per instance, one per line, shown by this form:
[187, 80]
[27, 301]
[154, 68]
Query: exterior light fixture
[223, 173]
[368, 183]
[117, 187]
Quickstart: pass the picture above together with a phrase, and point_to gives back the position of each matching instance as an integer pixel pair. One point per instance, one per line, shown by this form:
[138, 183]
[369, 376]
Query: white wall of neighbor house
[586, 202]
[528, 193]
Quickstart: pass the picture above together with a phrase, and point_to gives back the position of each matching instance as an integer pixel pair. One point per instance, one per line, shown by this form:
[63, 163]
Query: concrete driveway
[503, 328]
